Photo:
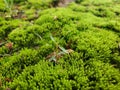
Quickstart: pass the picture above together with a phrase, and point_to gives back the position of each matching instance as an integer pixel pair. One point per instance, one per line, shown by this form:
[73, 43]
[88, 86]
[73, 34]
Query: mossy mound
[76, 47]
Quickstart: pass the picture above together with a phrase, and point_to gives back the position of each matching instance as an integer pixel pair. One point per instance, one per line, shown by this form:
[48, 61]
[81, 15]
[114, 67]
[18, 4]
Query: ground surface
[72, 47]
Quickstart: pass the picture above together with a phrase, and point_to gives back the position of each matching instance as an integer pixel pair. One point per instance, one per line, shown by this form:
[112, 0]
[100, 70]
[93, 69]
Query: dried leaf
[70, 50]
[55, 17]
[50, 55]
[8, 80]
[9, 45]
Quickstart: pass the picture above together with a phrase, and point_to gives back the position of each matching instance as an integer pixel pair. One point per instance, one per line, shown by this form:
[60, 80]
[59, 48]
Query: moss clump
[2, 6]
[92, 45]
[102, 75]
[19, 1]
[76, 75]
[97, 2]
[40, 3]
[16, 63]
[8, 26]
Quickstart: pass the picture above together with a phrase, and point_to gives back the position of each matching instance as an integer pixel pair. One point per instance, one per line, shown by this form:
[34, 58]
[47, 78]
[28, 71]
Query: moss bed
[76, 47]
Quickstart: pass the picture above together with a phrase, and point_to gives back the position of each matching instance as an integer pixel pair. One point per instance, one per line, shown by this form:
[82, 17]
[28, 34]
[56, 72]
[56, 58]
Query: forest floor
[50, 45]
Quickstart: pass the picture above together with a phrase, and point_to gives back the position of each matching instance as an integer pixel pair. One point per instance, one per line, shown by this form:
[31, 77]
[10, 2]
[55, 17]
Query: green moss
[97, 2]
[8, 26]
[4, 51]
[92, 45]
[2, 6]
[15, 64]
[102, 75]
[77, 8]
[54, 77]
[103, 12]
[19, 1]
[90, 29]
[95, 75]
[40, 3]
[31, 14]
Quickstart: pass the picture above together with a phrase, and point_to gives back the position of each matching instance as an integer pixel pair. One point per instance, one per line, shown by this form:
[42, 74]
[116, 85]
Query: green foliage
[9, 6]
[19, 1]
[92, 45]
[64, 20]
[57, 19]
[103, 12]
[97, 2]
[4, 51]
[102, 75]
[15, 64]
[64, 48]
[21, 37]
[77, 8]
[46, 76]
[2, 5]
[72, 74]
[8, 26]
[79, 1]
[112, 25]
[40, 3]
[31, 14]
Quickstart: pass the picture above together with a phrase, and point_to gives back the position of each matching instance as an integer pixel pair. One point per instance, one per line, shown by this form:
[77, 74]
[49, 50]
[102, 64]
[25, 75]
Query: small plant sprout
[54, 56]
[38, 35]
[9, 6]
